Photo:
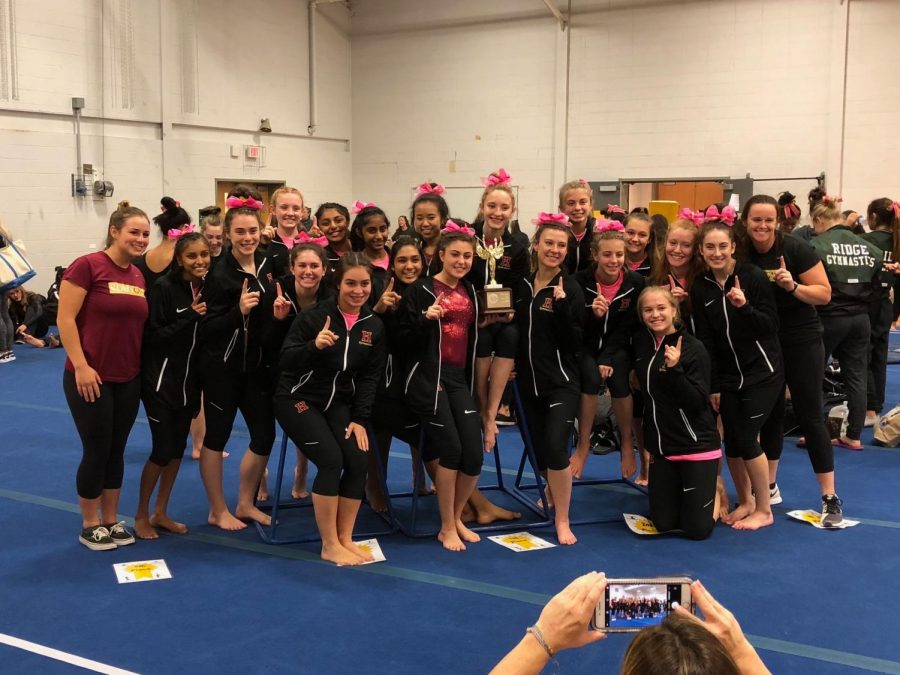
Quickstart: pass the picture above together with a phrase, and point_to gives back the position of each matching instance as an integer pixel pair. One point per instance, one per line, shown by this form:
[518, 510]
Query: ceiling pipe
[554, 10]
[311, 25]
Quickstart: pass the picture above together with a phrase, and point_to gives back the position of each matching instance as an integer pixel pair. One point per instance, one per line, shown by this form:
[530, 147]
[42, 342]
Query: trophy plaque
[494, 298]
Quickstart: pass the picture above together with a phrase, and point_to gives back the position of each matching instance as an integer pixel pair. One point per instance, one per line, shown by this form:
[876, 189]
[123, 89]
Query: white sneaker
[871, 421]
[8, 357]
[775, 495]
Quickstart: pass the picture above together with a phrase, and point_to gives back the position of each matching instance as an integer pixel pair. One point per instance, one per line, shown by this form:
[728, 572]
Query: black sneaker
[119, 534]
[832, 515]
[505, 420]
[97, 538]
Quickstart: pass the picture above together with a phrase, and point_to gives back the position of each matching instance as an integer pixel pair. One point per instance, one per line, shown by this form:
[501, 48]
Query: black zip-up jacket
[579, 255]
[610, 335]
[420, 340]
[551, 335]
[171, 344]
[645, 269]
[511, 267]
[742, 343]
[279, 257]
[392, 384]
[348, 371]
[240, 343]
[677, 416]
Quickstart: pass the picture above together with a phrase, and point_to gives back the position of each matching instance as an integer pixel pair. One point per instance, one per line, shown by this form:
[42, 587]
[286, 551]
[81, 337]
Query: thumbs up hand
[249, 299]
[326, 338]
[783, 277]
[736, 296]
[282, 306]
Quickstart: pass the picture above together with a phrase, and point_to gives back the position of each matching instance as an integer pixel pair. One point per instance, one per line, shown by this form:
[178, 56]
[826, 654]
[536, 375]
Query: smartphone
[632, 604]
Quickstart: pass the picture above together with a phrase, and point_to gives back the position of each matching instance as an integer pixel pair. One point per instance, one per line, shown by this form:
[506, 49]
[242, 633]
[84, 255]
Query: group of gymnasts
[338, 332]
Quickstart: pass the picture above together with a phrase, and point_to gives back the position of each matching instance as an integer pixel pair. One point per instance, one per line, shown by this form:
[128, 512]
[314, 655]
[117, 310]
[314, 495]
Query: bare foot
[722, 506]
[339, 555]
[468, 514]
[642, 481]
[253, 513]
[225, 454]
[363, 554]
[373, 496]
[226, 521]
[494, 512]
[451, 540]
[299, 491]
[564, 534]
[739, 513]
[629, 465]
[195, 453]
[163, 522]
[143, 529]
[466, 534]
[549, 496]
[576, 462]
[262, 493]
[754, 521]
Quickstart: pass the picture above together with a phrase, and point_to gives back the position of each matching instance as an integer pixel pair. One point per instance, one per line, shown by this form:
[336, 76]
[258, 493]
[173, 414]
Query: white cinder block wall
[220, 73]
[449, 91]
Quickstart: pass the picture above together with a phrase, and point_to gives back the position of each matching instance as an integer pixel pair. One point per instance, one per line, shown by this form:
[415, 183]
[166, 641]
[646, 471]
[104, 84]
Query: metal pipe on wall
[311, 28]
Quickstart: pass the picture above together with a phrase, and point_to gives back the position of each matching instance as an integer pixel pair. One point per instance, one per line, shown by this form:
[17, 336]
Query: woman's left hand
[783, 277]
[559, 293]
[282, 307]
[359, 431]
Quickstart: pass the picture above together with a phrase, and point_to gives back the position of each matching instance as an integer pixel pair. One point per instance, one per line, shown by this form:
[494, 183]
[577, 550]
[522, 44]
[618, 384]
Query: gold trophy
[495, 299]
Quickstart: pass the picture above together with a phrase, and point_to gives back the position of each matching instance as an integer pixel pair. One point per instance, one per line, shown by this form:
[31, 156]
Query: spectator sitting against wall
[32, 324]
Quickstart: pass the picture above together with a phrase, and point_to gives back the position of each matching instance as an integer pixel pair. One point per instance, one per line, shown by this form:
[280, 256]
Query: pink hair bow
[694, 216]
[499, 177]
[832, 200]
[895, 207]
[243, 203]
[791, 210]
[304, 238]
[727, 216]
[428, 188]
[359, 206]
[614, 208]
[450, 226]
[584, 182]
[177, 233]
[608, 226]
[556, 218]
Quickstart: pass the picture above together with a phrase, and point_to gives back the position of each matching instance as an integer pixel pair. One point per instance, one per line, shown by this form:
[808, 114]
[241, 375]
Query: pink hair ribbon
[694, 216]
[304, 238]
[450, 226]
[545, 218]
[895, 207]
[727, 216]
[499, 177]
[429, 188]
[614, 208]
[243, 203]
[832, 200]
[791, 210]
[583, 182]
[177, 233]
[359, 206]
[608, 226]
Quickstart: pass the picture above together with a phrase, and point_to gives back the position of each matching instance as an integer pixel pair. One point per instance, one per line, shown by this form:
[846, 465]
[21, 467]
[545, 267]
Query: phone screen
[635, 605]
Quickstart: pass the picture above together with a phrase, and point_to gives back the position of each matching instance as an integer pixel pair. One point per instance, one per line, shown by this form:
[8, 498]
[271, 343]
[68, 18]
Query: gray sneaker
[97, 538]
[119, 534]
[832, 515]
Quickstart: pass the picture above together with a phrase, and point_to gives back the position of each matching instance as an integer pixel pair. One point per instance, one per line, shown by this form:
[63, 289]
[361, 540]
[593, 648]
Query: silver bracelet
[539, 636]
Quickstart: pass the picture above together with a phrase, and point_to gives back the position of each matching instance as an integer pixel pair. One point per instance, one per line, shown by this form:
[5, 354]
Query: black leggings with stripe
[682, 495]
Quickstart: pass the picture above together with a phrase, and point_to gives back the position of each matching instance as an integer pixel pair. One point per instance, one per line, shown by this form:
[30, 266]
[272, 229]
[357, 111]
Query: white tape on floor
[65, 657]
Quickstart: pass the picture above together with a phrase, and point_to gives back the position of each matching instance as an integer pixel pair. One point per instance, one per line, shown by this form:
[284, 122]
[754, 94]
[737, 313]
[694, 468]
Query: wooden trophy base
[495, 300]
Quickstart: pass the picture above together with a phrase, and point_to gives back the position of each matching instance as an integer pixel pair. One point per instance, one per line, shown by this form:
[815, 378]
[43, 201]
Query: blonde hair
[502, 187]
[826, 209]
[574, 185]
[663, 291]
[286, 191]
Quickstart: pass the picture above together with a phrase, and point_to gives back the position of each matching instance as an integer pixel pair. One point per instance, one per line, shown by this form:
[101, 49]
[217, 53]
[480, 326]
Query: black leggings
[453, 431]
[394, 418]
[224, 393]
[744, 413]
[169, 429]
[104, 426]
[880, 322]
[682, 495]
[804, 370]
[551, 418]
[847, 339]
[320, 435]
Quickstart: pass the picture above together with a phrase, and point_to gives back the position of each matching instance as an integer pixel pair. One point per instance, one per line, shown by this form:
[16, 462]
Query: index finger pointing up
[278, 288]
[737, 282]
[781, 264]
[244, 287]
[678, 344]
[327, 323]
